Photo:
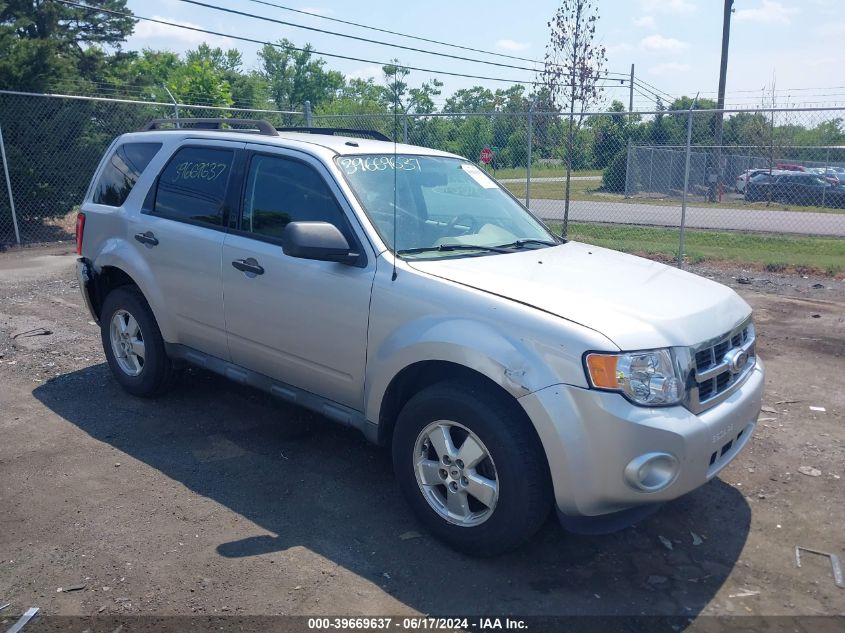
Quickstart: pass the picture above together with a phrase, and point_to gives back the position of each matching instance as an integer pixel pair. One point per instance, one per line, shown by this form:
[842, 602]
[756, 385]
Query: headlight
[647, 378]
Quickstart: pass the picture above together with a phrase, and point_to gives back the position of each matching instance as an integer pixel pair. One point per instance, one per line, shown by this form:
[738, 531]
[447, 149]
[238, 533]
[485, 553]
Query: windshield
[444, 206]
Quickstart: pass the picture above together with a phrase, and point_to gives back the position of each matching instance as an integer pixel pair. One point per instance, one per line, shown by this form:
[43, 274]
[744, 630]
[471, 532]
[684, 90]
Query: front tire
[133, 344]
[472, 468]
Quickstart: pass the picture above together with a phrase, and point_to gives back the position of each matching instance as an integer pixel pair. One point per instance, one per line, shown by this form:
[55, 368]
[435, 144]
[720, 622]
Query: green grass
[772, 252]
[543, 172]
[587, 190]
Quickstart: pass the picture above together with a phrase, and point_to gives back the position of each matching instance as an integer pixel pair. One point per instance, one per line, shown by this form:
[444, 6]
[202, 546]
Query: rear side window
[192, 186]
[125, 166]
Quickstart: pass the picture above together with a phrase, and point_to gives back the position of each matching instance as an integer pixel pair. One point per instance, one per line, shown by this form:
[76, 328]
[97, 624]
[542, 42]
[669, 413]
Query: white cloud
[660, 43]
[511, 45]
[154, 31]
[622, 47]
[669, 6]
[668, 67]
[366, 72]
[769, 11]
[832, 29]
[317, 10]
[646, 22]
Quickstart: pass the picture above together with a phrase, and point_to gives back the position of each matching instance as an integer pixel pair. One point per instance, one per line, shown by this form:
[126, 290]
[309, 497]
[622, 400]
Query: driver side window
[283, 190]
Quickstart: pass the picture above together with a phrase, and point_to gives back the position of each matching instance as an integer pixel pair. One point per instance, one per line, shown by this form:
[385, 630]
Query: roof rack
[248, 125]
[338, 131]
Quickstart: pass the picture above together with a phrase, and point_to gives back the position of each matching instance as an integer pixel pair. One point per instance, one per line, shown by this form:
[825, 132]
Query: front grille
[714, 377]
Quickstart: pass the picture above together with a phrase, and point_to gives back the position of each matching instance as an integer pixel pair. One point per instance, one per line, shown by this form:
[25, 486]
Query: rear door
[302, 322]
[180, 235]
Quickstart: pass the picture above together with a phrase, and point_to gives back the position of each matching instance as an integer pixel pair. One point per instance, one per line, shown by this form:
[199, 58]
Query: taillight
[80, 229]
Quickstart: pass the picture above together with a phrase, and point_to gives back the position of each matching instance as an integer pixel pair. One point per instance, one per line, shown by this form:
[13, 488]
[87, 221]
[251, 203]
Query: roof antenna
[395, 166]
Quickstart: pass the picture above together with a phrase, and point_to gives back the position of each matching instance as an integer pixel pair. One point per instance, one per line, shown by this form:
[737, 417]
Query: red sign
[486, 155]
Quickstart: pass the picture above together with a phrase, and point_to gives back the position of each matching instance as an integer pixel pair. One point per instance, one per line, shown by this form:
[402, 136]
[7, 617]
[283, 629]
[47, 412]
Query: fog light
[651, 472]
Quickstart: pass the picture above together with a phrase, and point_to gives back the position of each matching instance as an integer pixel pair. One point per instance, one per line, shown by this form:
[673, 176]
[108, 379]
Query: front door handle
[249, 266]
[147, 238]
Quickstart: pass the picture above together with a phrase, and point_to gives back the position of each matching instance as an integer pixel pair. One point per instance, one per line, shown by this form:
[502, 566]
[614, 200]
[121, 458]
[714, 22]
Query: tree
[475, 99]
[572, 67]
[245, 90]
[403, 99]
[45, 41]
[294, 76]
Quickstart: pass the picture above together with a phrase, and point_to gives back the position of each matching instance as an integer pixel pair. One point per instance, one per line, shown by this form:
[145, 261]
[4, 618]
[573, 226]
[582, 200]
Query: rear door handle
[147, 238]
[249, 266]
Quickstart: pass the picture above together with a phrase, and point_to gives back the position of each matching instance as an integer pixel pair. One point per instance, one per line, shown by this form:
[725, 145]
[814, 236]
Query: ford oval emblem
[737, 359]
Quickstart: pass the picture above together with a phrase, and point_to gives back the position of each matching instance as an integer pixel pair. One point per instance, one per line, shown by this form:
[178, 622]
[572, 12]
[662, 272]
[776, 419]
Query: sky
[674, 45]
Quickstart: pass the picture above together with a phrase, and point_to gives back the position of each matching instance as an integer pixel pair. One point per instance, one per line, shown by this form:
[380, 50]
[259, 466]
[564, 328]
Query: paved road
[762, 220]
[549, 179]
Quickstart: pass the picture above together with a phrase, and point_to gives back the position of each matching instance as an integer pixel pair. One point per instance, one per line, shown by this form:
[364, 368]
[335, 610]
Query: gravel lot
[217, 499]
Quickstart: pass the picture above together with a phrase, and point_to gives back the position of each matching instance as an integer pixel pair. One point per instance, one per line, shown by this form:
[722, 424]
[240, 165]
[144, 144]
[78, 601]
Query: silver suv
[401, 291]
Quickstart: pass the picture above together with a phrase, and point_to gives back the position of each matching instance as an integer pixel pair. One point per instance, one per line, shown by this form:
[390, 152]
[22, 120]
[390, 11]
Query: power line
[389, 32]
[644, 83]
[414, 37]
[242, 38]
[371, 41]
[356, 37]
[293, 48]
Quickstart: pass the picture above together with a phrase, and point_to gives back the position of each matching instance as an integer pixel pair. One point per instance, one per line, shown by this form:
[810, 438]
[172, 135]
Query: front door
[299, 321]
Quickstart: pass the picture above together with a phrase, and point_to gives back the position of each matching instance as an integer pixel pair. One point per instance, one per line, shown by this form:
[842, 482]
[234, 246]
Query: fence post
[686, 186]
[651, 169]
[175, 104]
[530, 152]
[628, 165]
[9, 189]
[306, 107]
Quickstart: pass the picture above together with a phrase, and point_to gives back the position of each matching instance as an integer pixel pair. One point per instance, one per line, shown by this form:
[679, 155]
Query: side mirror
[320, 241]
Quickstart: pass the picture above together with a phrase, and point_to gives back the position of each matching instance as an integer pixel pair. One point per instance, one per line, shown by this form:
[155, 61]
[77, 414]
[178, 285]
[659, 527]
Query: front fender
[116, 252]
[506, 360]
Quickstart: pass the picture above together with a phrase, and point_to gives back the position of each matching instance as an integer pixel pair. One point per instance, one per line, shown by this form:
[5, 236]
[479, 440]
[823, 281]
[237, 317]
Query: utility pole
[631, 91]
[720, 103]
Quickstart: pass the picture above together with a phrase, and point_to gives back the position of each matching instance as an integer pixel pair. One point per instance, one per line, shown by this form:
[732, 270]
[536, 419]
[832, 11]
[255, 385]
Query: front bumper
[591, 436]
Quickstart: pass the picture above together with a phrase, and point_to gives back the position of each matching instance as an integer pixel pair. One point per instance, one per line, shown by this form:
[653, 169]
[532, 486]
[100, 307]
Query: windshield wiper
[452, 247]
[525, 242]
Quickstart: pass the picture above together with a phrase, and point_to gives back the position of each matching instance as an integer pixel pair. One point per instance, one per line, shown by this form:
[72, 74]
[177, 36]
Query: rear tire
[133, 344]
[472, 468]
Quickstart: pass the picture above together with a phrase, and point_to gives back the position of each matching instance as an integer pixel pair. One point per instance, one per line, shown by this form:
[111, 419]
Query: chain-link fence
[764, 186]
[52, 145]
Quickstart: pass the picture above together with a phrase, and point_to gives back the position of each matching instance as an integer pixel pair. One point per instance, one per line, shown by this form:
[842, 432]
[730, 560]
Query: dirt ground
[217, 499]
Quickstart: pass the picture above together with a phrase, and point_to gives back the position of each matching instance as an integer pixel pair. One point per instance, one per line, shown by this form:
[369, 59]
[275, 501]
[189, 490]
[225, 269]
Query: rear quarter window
[122, 171]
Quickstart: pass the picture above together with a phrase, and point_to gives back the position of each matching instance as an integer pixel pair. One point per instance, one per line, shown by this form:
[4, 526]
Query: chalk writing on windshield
[379, 163]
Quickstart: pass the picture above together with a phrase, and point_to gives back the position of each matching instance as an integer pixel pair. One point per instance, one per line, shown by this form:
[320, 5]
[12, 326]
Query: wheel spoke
[133, 361]
[458, 503]
[138, 348]
[482, 489]
[120, 322]
[429, 472]
[442, 441]
[132, 327]
[471, 453]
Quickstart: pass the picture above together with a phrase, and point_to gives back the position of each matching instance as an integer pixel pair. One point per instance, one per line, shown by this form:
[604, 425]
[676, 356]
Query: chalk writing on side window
[380, 163]
[190, 170]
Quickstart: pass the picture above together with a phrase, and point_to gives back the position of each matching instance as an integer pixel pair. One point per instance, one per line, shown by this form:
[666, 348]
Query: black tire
[157, 372]
[522, 474]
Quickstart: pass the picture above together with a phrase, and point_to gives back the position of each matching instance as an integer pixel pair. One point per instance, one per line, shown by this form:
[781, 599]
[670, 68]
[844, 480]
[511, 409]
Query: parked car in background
[832, 176]
[745, 176]
[795, 188]
[790, 167]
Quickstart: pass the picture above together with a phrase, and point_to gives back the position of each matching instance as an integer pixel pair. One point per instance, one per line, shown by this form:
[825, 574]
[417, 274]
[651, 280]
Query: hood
[635, 302]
